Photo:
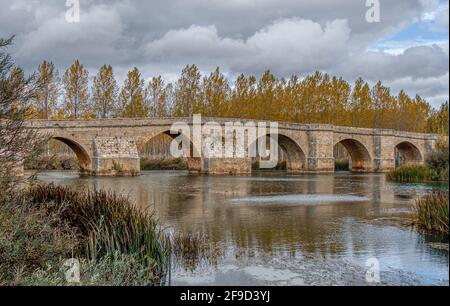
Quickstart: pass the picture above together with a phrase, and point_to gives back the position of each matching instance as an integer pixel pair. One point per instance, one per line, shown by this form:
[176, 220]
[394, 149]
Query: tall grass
[109, 224]
[410, 174]
[431, 212]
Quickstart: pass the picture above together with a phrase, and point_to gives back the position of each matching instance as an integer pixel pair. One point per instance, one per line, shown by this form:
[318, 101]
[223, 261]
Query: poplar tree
[48, 94]
[158, 94]
[104, 93]
[187, 93]
[76, 100]
[216, 94]
[133, 96]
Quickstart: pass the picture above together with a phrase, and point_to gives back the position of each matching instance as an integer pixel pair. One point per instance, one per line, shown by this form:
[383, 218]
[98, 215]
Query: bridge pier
[226, 166]
[115, 156]
[321, 150]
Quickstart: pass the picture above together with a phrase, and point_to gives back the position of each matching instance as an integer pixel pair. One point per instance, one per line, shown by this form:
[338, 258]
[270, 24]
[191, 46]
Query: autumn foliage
[316, 98]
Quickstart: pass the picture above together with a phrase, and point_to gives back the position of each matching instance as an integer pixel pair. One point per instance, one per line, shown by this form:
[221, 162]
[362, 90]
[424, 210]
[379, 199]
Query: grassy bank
[431, 212]
[411, 174]
[164, 164]
[46, 163]
[115, 243]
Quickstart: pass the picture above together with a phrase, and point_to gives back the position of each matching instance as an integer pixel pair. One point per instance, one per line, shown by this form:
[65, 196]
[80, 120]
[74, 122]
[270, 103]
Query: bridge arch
[360, 158]
[146, 140]
[291, 153]
[83, 157]
[193, 163]
[407, 153]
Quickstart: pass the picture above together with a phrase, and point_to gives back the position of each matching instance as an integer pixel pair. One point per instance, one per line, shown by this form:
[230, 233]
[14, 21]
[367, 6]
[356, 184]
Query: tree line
[316, 98]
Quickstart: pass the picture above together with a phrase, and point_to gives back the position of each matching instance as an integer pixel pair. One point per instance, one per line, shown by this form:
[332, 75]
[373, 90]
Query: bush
[431, 212]
[437, 161]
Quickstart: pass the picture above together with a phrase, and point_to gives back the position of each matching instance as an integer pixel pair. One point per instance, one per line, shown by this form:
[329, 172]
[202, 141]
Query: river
[276, 229]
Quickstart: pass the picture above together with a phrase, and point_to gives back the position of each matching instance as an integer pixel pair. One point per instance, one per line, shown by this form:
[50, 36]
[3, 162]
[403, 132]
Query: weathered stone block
[115, 156]
[226, 166]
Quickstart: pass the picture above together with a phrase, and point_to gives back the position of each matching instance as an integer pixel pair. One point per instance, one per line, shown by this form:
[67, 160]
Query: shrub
[437, 161]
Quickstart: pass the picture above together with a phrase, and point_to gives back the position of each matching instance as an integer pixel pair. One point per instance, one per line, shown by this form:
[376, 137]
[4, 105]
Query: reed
[431, 212]
[410, 174]
[109, 224]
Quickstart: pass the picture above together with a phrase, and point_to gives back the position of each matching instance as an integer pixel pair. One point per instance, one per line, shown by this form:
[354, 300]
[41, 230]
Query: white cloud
[249, 36]
[286, 46]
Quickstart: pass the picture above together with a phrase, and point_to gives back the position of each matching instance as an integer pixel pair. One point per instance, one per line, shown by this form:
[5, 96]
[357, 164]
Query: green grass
[411, 174]
[431, 212]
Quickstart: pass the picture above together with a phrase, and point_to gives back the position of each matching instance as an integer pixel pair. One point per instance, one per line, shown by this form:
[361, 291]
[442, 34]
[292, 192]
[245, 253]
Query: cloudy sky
[408, 49]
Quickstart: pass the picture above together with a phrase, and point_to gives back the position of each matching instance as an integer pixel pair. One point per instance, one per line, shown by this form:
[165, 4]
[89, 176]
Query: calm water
[274, 229]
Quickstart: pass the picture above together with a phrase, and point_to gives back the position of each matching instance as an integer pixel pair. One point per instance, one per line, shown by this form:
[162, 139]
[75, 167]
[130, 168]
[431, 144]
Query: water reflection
[308, 217]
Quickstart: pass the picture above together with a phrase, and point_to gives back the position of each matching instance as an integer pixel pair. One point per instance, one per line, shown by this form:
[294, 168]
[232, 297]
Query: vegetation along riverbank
[114, 242]
[435, 168]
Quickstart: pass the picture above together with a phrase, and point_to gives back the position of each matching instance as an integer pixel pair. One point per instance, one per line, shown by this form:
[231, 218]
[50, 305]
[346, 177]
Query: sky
[407, 49]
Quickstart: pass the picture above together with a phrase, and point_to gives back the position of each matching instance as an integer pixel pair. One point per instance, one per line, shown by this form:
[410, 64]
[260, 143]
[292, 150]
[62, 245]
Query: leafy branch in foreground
[17, 144]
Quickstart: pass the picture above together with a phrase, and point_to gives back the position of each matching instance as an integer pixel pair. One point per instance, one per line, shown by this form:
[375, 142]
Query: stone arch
[407, 153]
[194, 163]
[292, 154]
[361, 161]
[82, 155]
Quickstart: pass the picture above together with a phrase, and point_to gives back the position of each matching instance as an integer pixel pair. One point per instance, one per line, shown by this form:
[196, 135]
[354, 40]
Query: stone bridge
[111, 146]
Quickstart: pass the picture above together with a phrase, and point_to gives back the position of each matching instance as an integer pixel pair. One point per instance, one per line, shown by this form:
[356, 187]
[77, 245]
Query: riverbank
[112, 241]
[52, 163]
